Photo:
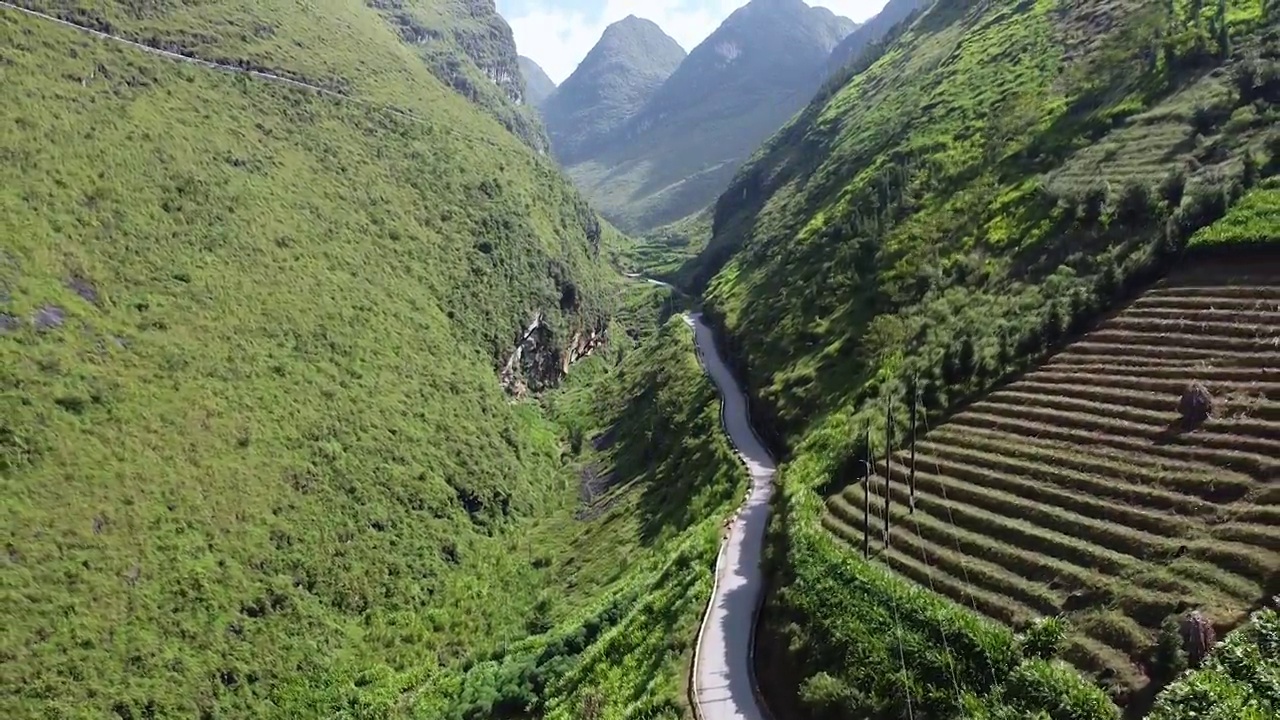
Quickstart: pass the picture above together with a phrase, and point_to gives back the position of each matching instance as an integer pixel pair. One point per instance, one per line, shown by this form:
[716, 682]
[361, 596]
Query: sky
[557, 34]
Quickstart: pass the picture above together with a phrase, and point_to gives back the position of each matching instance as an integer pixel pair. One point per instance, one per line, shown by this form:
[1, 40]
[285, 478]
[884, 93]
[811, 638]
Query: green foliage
[1240, 680]
[1251, 221]
[989, 198]
[256, 457]
[645, 549]
[1045, 638]
[1170, 658]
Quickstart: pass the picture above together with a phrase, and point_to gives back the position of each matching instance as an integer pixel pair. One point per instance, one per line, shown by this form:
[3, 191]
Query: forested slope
[952, 208]
[257, 458]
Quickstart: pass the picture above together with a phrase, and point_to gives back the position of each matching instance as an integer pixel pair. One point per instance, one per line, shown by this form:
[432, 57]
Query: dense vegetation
[256, 458]
[656, 478]
[952, 207]
[612, 83]
[1240, 681]
[1084, 489]
[673, 156]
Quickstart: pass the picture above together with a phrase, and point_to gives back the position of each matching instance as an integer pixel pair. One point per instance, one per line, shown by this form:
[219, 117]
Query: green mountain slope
[951, 207]
[674, 156]
[253, 442]
[538, 85]
[464, 43]
[872, 31]
[617, 77]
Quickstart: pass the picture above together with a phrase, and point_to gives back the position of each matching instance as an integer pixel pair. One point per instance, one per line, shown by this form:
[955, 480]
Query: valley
[923, 366]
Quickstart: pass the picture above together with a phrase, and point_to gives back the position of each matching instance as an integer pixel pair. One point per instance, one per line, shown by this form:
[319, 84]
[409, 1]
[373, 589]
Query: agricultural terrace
[1099, 486]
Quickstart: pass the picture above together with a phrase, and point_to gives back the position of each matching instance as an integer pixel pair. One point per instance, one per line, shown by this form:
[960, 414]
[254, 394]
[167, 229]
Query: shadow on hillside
[669, 466]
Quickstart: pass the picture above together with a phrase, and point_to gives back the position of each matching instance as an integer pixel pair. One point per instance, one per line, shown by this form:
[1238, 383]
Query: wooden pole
[888, 471]
[866, 496]
[911, 481]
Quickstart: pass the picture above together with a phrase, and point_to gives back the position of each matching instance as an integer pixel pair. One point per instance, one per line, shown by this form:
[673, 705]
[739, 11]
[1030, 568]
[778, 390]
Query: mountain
[538, 86]
[257, 456]
[955, 223]
[617, 77]
[677, 153]
[470, 48]
[894, 12]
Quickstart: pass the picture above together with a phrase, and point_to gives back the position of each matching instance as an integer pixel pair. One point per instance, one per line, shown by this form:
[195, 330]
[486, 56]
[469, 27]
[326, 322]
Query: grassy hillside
[656, 478]
[253, 446]
[380, 51]
[952, 208]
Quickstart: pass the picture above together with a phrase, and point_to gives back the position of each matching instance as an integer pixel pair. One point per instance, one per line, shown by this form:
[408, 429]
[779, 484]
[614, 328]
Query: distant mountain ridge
[538, 85]
[673, 155]
[873, 30]
[631, 61]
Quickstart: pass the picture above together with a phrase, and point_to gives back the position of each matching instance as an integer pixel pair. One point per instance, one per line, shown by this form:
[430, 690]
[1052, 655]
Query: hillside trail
[723, 676]
[221, 67]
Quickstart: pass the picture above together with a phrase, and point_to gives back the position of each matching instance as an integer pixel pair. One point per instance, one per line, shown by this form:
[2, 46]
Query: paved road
[723, 677]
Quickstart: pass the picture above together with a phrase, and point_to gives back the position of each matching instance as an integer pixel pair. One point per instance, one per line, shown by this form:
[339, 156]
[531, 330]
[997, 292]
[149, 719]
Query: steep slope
[657, 479]
[538, 86]
[255, 451]
[872, 31]
[1080, 490]
[950, 208]
[464, 43]
[627, 65]
[470, 48]
[737, 87]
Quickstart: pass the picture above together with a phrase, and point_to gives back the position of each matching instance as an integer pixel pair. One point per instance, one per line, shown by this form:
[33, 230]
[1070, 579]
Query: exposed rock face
[472, 51]
[537, 363]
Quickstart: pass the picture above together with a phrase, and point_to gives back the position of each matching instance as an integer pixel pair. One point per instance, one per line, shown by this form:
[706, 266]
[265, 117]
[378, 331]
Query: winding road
[723, 676]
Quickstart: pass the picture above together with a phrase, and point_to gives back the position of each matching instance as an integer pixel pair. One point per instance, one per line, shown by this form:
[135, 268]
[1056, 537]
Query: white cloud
[558, 38]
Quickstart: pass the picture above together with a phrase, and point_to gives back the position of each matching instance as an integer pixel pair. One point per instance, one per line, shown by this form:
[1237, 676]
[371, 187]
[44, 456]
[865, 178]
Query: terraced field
[1078, 489]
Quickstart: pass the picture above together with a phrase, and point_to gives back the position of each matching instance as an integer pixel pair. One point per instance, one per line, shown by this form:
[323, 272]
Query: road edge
[693, 319]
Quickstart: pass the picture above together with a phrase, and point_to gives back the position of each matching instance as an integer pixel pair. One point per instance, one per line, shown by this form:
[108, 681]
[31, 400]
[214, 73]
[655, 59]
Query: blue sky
[558, 33]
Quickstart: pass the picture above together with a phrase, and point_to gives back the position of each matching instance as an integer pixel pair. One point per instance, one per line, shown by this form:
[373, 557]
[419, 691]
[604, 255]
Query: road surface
[723, 678]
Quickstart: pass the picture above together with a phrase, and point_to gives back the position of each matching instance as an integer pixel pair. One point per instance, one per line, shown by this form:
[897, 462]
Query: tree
[1134, 206]
[1223, 28]
[1093, 203]
[1273, 147]
[1173, 187]
[1249, 175]
[1170, 659]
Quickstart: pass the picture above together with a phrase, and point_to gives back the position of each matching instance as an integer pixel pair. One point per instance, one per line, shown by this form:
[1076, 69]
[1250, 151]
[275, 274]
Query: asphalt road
[723, 677]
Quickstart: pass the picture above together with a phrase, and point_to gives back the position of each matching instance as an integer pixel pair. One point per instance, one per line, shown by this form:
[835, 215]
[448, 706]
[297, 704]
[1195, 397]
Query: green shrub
[1045, 638]
[1170, 658]
[1239, 681]
[1173, 187]
[1134, 207]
